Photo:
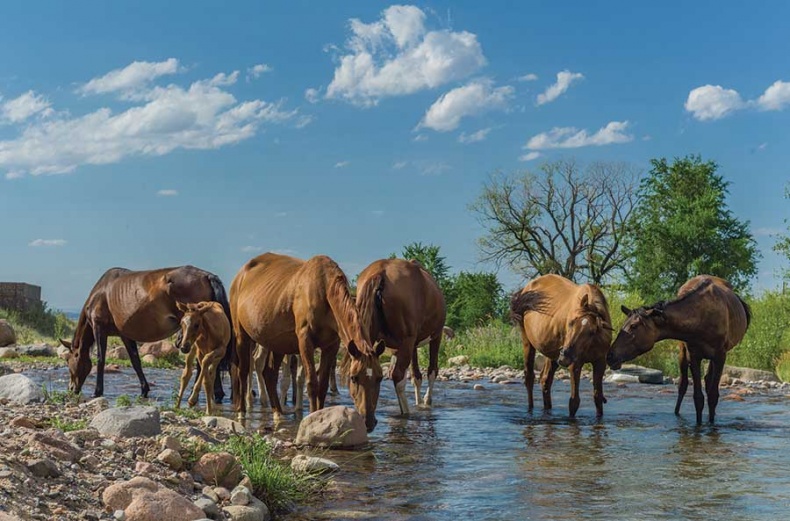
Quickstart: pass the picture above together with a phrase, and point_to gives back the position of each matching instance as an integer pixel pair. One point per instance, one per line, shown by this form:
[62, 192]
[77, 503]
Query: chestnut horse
[401, 305]
[290, 306]
[205, 334]
[137, 306]
[708, 318]
[570, 325]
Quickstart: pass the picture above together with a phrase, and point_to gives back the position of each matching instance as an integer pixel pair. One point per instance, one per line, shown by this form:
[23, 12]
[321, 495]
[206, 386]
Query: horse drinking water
[570, 325]
[708, 318]
[205, 334]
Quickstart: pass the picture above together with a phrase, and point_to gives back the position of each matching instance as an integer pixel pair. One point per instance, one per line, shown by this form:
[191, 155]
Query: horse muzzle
[564, 359]
[370, 424]
[185, 348]
[613, 364]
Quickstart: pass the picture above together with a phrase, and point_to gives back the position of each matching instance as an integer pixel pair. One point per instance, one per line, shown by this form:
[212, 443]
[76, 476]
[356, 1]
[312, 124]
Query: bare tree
[563, 219]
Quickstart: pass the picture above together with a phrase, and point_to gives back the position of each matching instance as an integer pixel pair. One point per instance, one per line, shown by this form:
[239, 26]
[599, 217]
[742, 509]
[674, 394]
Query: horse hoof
[191, 403]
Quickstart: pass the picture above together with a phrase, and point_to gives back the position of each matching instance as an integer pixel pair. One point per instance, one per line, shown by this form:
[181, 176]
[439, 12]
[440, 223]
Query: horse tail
[747, 310]
[523, 302]
[219, 294]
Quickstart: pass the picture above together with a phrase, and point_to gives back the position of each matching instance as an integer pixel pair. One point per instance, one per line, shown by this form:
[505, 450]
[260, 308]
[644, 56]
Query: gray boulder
[127, 422]
[642, 375]
[18, 388]
[7, 334]
[37, 350]
[748, 374]
[337, 427]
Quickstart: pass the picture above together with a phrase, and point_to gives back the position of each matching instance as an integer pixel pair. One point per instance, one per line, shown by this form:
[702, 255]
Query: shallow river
[480, 455]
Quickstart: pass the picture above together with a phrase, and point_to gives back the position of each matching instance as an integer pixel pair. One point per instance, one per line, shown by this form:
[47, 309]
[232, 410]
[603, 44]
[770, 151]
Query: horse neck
[679, 319]
[344, 309]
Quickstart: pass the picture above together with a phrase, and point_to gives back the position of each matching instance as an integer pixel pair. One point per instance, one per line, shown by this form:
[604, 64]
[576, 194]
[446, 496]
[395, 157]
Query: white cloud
[255, 71]
[167, 193]
[251, 249]
[400, 165]
[474, 137]
[304, 120]
[312, 95]
[200, 116]
[564, 80]
[39, 243]
[433, 167]
[342, 164]
[530, 156]
[398, 55]
[775, 97]
[130, 78]
[713, 102]
[528, 77]
[27, 105]
[762, 146]
[570, 137]
[420, 138]
[474, 98]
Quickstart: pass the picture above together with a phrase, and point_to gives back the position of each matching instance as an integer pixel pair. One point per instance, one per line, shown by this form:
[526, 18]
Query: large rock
[256, 510]
[37, 350]
[118, 353]
[8, 352]
[313, 465]
[643, 375]
[160, 349]
[458, 360]
[128, 422]
[218, 468]
[142, 499]
[7, 334]
[749, 375]
[18, 388]
[337, 427]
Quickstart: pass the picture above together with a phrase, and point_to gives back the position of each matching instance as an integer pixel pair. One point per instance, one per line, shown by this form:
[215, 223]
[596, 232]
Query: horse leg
[599, 368]
[576, 374]
[212, 363]
[101, 358]
[399, 373]
[713, 378]
[134, 358]
[328, 354]
[258, 362]
[416, 376]
[529, 368]
[271, 370]
[298, 377]
[241, 370]
[699, 398]
[285, 383]
[546, 379]
[307, 353]
[433, 368]
[186, 375]
[202, 379]
[333, 390]
[683, 362]
[219, 392]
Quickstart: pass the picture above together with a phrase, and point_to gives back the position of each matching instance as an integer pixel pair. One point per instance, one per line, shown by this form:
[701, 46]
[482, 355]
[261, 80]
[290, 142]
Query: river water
[480, 455]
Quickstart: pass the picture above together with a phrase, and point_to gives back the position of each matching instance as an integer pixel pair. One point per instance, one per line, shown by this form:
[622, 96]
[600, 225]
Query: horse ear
[625, 310]
[182, 307]
[353, 350]
[379, 347]
[585, 300]
[65, 343]
[203, 307]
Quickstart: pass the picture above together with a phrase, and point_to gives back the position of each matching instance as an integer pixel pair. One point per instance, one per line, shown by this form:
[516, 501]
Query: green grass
[67, 425]
[492, 345]
[59, 397]
[768, 337]
[274, 482]
[39, 325]
[123, 401]
[783, 367]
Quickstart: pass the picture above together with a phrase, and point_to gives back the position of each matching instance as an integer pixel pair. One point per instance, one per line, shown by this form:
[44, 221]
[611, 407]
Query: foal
[205, 333]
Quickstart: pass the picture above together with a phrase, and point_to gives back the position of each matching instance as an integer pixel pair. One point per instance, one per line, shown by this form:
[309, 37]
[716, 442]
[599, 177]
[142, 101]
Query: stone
[240, 496]
[256, 510]
[5, 516]
[18, 388]
[7, 334]
[56, 444]
[218, 468]
[24, 422]
[171, 458]
[148, 359]
[119, 515]
[193, 432]
[170, 442]
[90, 461]
[160, 349]
[142, 499]
[209, 507]
[312, 464]
[458, 360]
[143, 467]
[622, 378]
[118, 353]
[96, 405]
[8, 353]
[209, 493]
[36, 350]
[479, 387]
[337, 427]
[644, 375]
[223, 493]
[128, 422]
[748, 374]
[224, 424]
[43, 468]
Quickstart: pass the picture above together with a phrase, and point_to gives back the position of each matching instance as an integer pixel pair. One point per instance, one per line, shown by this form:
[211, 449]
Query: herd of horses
[280, 307]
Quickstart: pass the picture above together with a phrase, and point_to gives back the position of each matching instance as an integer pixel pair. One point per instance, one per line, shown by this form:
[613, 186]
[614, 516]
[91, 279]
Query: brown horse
[401, 305]
[137, 306]
[205, 334]
[570, 325]
[707, 317]
[291, 306]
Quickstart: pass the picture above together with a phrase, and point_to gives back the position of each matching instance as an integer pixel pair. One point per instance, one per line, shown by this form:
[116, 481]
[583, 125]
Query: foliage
[273, 480]
[428, 256]
[783, 367]
[782, 245]
[562, 220]
[768, 335]
[682, 227]
[39, 324]
[492, 345]
[66, 425]
[476, 298]
[58, 397]
[123, 401]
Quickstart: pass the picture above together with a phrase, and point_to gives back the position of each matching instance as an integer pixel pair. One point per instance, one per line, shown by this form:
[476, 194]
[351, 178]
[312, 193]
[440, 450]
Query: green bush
[768, 336]
[39, 324]
[492, 345]
[783, 367]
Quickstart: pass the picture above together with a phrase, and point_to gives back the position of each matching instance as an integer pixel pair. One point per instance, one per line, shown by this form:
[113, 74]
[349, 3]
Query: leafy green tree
[782, 245]
[477, 299]
[682, 227]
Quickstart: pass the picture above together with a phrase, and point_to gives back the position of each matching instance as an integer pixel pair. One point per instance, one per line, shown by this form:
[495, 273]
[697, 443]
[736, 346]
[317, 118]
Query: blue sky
[148, 134]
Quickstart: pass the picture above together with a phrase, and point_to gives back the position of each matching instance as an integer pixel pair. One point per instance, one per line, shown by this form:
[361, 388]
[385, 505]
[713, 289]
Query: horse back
[720, 309]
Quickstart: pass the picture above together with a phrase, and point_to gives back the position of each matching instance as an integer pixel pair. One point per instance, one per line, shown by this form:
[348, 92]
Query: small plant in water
[58, 397]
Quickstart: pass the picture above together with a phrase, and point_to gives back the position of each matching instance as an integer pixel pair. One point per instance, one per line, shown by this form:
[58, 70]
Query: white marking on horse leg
[285, 383]
[393, 360]
[417, 389]
[400, 390]
[300, 385]
[429, 393]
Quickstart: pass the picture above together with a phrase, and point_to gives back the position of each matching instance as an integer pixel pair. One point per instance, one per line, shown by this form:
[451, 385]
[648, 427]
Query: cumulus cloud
[713, 102]
[134, 76]
[474, 137]
[570, 137]
[44, 243]
[528, 77]
[529, 156]
[200, 116]
[255, 71]
[27, 105]
[398, 55]
[775, 97]
[474, 98]
[564, 80]
[167, 193]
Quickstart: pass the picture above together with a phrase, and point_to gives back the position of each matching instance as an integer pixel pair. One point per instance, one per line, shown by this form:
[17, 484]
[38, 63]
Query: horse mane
[523, 302]
[694, 291]
[342, 305]
[369, 306]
